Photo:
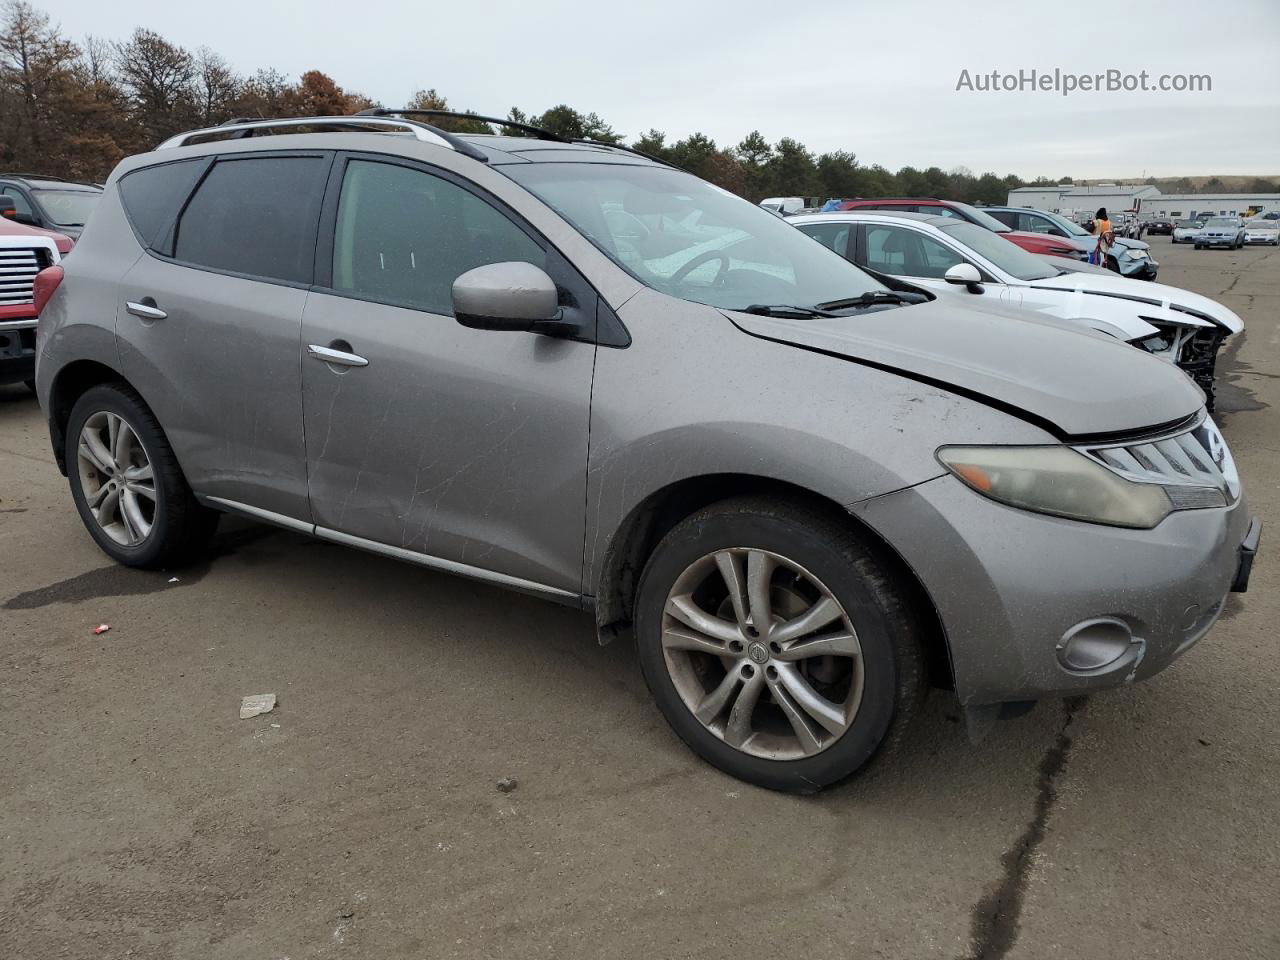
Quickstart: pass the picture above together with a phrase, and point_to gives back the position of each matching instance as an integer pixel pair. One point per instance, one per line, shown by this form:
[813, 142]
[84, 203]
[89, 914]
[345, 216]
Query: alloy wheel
[762, 653]
[116, 478]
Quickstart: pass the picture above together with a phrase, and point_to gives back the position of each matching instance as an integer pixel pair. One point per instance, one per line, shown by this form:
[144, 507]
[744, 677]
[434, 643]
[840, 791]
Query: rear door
[209, 321]
[442, 444]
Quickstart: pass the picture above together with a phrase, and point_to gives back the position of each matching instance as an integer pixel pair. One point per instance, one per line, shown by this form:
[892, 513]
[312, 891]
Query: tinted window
[255, 216]
[153, 196]
[906, 253]
[833, 236]
[403, 236]
[1007, 217]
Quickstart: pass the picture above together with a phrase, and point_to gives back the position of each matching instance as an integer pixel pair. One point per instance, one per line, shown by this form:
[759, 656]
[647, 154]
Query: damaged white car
[950, 256]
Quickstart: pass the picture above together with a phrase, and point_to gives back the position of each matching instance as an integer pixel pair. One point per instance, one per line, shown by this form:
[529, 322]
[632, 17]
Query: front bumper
[1215, 241]
[1014, 588]
[17, 351]
[1144, 269]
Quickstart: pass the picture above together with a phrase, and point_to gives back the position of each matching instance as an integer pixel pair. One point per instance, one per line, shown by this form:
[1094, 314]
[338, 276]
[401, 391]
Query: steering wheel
[707, 255]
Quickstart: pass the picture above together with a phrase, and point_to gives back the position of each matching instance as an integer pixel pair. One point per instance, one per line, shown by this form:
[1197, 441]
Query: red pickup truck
[24, 252]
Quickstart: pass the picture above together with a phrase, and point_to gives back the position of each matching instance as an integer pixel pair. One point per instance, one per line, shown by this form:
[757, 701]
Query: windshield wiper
[785, 310]
[873, 297]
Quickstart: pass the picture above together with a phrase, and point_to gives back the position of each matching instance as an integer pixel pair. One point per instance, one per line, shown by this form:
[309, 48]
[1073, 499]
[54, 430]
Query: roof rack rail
[539, 132]
[247, 127]
[32, 176]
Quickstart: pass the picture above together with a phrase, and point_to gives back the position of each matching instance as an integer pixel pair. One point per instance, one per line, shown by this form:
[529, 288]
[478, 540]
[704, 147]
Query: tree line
[75, 109]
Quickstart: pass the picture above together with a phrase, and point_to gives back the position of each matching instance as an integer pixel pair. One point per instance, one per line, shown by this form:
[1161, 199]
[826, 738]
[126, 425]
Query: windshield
[1012, 259]
[1221, 222]
[689, 239]
[67, 208]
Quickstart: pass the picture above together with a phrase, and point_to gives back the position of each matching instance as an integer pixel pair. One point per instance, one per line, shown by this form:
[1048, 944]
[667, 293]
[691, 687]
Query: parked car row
[809, 478]
[953, 258]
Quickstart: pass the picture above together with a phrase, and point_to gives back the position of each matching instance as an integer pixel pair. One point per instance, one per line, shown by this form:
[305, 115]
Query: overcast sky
[876, 78]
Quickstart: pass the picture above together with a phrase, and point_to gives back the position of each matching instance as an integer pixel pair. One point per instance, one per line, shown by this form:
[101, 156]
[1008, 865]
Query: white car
[1184, 231]
[951, 257]
[1262, 231]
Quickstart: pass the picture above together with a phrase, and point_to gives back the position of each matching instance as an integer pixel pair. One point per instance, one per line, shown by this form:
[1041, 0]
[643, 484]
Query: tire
[817, 557]
[179, 528]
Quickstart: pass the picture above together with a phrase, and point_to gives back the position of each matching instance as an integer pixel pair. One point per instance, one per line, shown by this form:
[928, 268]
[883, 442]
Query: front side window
[20, 205]
[689, 239]
[67, 208]
[403, 236]
[903, 252]
[255, 216]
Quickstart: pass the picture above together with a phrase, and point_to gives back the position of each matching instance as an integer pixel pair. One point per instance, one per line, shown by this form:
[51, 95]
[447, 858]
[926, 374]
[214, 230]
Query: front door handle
[341, 357]
[145, 308]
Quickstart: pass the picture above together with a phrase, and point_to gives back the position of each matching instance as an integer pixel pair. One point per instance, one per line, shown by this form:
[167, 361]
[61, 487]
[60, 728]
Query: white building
[1184, 206]
[1069, 199]
[1073, 201]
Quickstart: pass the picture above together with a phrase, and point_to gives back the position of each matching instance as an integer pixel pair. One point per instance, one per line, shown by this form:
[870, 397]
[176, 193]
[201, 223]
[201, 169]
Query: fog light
[1094, 645]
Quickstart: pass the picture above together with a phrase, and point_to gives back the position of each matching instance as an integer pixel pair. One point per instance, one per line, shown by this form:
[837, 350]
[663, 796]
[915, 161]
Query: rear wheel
[776, 645]
[127, 484]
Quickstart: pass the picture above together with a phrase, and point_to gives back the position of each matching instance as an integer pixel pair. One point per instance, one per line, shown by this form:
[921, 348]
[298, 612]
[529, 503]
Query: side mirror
[8, 207]
[966, 274]
[506, 296]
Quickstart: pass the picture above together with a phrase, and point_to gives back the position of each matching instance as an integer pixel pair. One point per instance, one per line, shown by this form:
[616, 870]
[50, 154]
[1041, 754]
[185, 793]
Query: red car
[24, 252]
[1031, 242]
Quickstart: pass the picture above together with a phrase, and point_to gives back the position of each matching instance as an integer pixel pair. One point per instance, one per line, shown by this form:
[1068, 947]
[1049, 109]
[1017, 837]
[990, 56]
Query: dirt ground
[140, 817]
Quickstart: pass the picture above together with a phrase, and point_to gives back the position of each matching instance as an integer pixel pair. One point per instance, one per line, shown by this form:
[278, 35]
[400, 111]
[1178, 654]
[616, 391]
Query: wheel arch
[69, 384]
[634, 541]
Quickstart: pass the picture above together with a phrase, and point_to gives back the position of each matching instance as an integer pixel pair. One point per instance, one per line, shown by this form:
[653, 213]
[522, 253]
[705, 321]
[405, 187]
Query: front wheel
[776, 645]
[127, 485]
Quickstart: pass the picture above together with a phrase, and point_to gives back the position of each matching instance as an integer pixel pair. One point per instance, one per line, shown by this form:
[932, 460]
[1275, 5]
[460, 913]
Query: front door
[435, 440]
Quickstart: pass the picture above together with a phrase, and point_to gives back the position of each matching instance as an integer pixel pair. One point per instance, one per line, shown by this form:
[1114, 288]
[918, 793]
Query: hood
[1127, 244]
[10, 229]
[1072, 383]
[1184, 305]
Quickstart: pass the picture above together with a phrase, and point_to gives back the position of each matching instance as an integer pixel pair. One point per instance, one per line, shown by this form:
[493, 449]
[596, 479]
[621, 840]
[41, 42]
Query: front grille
[18, 269]
[1194, 466]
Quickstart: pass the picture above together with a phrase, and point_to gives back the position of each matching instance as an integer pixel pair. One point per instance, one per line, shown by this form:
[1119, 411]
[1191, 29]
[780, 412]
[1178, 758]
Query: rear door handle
[145, 308]
[341, 357]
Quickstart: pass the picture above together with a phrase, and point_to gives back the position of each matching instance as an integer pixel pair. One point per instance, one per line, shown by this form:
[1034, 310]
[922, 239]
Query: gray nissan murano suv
[575, 371]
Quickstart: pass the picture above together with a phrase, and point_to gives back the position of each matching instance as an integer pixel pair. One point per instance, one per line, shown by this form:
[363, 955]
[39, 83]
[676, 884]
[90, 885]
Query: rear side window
[153, 196]
[255, 216]
[403, 236]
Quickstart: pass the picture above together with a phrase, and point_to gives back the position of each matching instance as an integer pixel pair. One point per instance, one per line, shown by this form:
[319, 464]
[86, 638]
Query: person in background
[1106, 238]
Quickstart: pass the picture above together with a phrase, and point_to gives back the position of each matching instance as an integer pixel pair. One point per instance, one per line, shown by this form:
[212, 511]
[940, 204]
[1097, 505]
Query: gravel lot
[140, 817]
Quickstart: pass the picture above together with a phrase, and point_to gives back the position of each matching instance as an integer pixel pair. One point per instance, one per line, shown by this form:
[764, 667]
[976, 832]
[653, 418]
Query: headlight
[1137, 254]
[1057, 481]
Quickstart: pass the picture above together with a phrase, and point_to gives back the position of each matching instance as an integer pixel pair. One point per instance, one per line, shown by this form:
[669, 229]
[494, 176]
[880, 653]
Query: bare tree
[160, 79]
[217, 87]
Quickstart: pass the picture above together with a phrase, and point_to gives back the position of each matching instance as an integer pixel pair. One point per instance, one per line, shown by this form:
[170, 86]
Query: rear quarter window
[255, 216]
[153, 196]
